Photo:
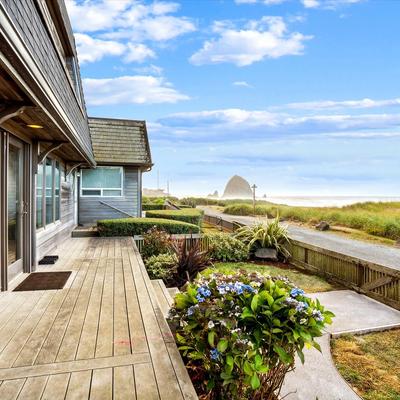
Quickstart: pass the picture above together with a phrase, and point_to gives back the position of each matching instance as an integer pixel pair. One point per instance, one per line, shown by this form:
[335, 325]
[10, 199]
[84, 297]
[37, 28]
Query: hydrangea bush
[239, 334]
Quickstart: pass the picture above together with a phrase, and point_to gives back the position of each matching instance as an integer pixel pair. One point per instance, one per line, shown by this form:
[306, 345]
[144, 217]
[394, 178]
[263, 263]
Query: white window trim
[121, 189]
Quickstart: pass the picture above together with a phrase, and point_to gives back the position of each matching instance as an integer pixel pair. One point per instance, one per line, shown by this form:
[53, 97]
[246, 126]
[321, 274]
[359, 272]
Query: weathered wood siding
[48, 238]
[44, 66]
[91, 209]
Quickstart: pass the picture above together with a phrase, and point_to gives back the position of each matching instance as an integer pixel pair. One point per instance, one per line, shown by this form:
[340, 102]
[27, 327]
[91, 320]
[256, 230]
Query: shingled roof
[120, 142]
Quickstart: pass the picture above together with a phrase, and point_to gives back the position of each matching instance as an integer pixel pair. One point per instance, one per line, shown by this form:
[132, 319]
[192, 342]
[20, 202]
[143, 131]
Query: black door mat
[47, 260]
[44, 281]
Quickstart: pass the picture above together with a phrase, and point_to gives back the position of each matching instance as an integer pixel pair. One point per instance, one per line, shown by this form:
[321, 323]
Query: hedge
[152, 206]
[189, 215]
[139, 226]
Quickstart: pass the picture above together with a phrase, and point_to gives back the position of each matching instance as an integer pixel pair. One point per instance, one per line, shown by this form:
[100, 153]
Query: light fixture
[34, 126]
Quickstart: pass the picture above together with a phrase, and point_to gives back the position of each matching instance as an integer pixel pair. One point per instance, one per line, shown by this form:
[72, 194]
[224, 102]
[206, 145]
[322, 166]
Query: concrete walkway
[318, 378]
[374, 253]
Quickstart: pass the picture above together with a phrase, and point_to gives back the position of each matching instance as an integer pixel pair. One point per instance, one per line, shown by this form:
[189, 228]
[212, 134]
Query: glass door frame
[26, 196]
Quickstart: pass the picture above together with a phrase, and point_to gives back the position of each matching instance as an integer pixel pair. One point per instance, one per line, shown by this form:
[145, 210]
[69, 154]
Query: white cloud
[242, 84]
[90, 49]
[325, 4]
[265, 38]
[128, 24]
[230, 124]
[328, 4]
[329, 104]
[137, 89]
[310, 3]
[116, 19]
[138, 53]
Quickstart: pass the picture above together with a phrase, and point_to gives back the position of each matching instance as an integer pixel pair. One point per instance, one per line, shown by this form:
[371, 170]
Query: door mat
[44, 281]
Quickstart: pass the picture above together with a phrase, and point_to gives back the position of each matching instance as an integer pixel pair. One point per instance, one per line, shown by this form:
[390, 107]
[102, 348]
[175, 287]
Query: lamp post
[254, 187]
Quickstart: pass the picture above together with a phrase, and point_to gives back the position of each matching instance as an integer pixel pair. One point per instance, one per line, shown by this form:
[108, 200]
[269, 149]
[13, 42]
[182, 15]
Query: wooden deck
[101, 337]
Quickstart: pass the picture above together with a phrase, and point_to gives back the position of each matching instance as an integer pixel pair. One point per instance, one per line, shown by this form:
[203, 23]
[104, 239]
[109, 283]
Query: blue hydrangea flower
[296, 292]
[190, 310]
[214, 353]
[204, 291]
[199, 298]
[318, 315]
[301, 306]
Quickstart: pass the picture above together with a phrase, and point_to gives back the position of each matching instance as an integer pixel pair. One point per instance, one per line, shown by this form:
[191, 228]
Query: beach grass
[370, 363]
[380, 219]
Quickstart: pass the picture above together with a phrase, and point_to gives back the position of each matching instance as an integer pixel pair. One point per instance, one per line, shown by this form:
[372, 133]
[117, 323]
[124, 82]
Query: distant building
[155, 193]
[237, 188]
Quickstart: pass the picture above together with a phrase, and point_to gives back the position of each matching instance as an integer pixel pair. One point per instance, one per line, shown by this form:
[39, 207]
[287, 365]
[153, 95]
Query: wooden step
[164, 298]
[173, 291]
[90, 231]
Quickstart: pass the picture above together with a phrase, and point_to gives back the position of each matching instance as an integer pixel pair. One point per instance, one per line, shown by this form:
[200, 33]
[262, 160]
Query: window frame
[121, 188]
[42, 167]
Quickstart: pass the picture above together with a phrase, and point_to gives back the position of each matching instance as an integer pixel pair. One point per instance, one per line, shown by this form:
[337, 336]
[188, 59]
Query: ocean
[326, 201]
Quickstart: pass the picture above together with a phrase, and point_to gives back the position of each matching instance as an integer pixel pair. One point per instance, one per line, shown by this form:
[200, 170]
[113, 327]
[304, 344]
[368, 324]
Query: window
[48, 185]
[102, 181]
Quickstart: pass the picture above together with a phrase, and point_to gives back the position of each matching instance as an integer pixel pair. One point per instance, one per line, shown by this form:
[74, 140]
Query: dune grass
[379, 219]
[309, 283]
[370, 363]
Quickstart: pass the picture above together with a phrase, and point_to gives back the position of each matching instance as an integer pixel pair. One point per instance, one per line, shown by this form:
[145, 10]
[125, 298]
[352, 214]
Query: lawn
[370, 363]
[309, 283]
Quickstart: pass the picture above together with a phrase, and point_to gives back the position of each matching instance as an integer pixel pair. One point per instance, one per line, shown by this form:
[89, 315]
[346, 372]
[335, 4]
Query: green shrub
[152, 206]
[161, 266]
[239, 334]
[224, 247]
[156, 241]
[189, 215]
[139, 226]
[265, 235]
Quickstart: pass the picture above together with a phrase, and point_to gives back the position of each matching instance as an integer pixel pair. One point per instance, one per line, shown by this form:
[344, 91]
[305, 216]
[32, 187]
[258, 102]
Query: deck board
[102, 336]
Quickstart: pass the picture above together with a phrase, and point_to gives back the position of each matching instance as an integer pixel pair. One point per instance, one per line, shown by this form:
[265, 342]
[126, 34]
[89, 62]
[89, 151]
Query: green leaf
[229, 363]
[248, 370]
[285, 357]
[263, 369]
[254, 303]
[225, 376]
[222, 345]
[247, 313]
[211, 337]
[257, 360]
[317, 346]
[180, 338]
[301, 355]
[255, 382]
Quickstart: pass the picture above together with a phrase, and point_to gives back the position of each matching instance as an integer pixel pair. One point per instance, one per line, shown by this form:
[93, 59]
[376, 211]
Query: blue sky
[301, 97]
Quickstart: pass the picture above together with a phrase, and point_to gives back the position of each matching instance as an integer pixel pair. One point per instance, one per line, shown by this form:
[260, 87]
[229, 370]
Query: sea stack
[237, 188]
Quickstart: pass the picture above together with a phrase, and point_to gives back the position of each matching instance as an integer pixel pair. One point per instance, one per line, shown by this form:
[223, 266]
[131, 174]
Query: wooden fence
[376, 281]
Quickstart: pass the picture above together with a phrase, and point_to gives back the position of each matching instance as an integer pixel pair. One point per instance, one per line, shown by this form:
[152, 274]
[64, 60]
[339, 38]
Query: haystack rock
[237, 188]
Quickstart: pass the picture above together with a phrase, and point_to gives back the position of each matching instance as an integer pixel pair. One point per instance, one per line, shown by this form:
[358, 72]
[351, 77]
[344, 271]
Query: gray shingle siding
[91, 209]
[29, 23]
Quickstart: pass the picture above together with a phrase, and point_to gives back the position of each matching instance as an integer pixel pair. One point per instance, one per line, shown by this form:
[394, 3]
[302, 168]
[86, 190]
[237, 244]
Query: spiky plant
[265, 235]
[191, 261]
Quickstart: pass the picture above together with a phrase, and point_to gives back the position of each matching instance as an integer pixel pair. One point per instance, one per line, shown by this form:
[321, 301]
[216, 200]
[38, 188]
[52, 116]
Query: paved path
[371, 252]
[318, 378]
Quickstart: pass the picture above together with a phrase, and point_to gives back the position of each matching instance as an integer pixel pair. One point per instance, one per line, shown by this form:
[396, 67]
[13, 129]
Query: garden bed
[308, 282]
[370, 363]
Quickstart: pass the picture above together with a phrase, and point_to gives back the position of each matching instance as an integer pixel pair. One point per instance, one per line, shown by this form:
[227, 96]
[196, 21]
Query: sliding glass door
[16, 208]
